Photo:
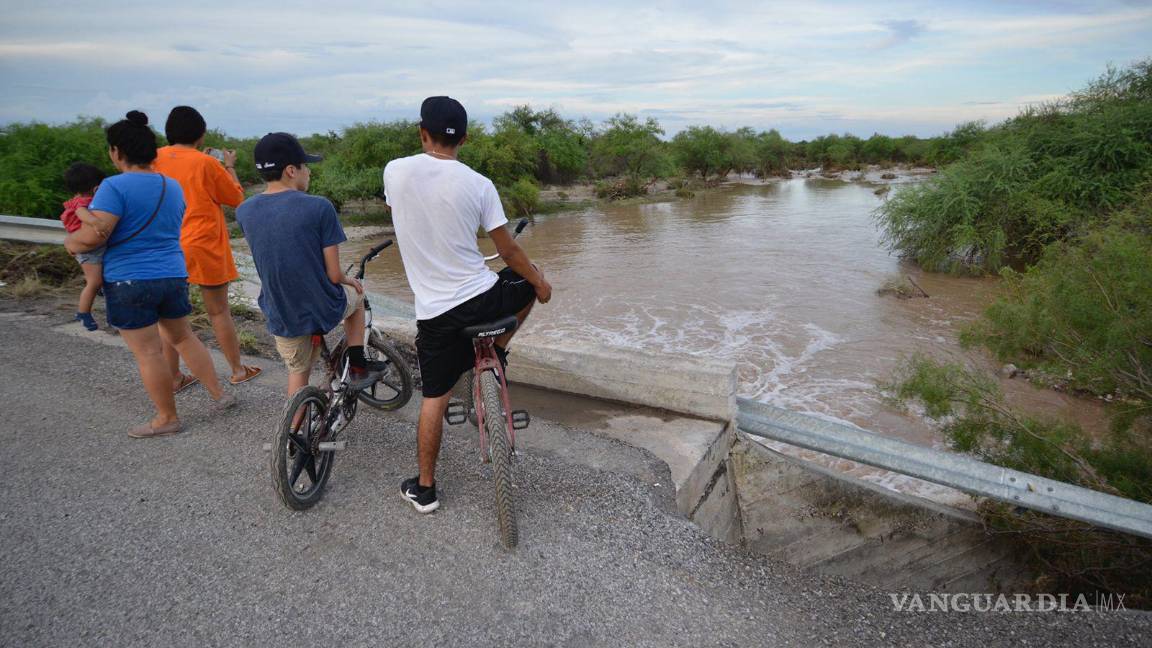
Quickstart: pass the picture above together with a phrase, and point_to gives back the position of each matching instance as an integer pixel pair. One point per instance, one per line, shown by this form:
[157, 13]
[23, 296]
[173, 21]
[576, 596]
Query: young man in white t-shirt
[438, 203]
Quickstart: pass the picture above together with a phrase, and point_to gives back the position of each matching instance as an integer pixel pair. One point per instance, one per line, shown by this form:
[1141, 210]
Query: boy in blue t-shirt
[295, 239]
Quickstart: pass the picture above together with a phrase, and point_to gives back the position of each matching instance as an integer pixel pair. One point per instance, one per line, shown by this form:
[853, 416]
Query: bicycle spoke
[297, 468]
[310, 466]
[314, 415]
[295, 440]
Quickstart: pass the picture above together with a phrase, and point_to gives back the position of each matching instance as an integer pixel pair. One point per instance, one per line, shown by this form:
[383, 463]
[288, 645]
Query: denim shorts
[137, 303]
[93, 257]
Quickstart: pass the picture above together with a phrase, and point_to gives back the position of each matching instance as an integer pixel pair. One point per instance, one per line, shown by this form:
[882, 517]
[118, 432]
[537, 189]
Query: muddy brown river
[780, 278]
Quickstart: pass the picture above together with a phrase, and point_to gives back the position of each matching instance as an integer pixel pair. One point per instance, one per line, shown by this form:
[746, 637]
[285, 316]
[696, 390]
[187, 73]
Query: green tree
[560, 148]
[701, 150]
[878, 149]
[629, 147]
[771, 154]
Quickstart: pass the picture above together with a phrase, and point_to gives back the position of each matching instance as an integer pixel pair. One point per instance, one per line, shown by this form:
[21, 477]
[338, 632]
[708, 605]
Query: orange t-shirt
[204, 236]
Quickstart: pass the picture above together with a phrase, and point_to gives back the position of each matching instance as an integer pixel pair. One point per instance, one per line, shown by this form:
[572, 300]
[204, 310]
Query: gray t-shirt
[287, 233]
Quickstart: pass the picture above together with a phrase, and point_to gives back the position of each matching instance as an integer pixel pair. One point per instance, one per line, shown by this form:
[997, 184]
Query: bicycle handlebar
[371, 254]
[378, 249]
[516, 232]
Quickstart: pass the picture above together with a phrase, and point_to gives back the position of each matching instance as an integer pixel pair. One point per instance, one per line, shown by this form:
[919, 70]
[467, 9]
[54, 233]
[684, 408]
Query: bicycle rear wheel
[299, 475]
[500, 448]
[394, 389]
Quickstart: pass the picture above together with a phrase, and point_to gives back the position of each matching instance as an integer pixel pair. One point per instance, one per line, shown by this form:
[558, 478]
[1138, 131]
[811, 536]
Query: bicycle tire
[467, 395]
[401, 380]
[500, 448]
[291, 453]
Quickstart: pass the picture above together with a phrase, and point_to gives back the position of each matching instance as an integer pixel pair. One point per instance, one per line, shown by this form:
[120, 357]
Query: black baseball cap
[443, 116]
[279, 150]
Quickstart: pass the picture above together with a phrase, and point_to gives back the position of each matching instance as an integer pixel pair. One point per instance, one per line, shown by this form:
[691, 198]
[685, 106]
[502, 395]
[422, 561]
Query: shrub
[522, 198]
[34, 157]
[1043, 177]
[1084, 311]
[1073, 555]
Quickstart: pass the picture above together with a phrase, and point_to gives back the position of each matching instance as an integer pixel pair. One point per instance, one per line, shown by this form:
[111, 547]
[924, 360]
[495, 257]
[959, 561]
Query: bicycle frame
[332, 357]
[486, 359]
[334, 361]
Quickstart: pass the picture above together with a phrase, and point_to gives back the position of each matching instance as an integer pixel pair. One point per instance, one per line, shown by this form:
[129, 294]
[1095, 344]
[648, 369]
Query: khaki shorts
[298, 353]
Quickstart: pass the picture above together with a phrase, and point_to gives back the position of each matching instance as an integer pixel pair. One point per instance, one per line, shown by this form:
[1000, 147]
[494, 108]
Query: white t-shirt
[437, 207]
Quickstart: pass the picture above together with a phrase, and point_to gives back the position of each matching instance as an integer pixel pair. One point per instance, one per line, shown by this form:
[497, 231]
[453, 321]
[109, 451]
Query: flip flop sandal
[146, 431]
[186, 381]
[249, 374]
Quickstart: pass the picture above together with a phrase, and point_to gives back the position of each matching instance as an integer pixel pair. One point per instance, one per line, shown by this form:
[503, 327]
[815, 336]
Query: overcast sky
[803, 67]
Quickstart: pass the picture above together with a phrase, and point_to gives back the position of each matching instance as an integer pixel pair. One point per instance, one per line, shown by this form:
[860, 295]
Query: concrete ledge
[688, 385]
[816, 518]
[709, 495]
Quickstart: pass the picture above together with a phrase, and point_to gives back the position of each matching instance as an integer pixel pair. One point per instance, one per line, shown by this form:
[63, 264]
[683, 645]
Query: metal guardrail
[946, 468]
[49, 223]
[31, 230]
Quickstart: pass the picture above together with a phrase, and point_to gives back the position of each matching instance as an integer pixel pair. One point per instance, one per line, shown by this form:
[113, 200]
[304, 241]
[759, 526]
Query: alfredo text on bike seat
[438, 204]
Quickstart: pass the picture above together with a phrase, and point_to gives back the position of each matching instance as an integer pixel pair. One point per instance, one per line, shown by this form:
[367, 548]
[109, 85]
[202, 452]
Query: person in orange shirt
[208, 182]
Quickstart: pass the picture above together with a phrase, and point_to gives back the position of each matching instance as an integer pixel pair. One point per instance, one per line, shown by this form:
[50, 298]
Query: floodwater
[779, 278]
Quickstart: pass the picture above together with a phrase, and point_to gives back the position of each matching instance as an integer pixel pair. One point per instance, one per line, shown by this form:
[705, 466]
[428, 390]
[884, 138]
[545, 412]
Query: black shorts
[443, 353]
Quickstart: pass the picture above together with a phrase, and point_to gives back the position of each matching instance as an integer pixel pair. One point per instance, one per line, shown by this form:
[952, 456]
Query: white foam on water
[776, 361]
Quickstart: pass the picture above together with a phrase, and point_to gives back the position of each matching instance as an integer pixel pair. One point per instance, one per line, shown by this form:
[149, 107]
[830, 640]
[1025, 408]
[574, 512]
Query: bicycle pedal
[329, 446]
[456, 413]
[520, 419]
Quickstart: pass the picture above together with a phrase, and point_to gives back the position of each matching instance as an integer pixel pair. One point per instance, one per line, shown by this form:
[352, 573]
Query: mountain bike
[307, 434]
[488, 405]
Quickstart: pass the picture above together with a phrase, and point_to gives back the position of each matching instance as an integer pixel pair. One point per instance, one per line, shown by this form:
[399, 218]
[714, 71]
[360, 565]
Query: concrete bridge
[640, 525]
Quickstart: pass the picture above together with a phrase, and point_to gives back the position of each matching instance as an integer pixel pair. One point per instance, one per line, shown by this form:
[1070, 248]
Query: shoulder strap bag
[159, 204]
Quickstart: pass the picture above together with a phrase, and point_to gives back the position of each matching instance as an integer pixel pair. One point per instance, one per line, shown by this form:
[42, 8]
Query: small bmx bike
[307, 434]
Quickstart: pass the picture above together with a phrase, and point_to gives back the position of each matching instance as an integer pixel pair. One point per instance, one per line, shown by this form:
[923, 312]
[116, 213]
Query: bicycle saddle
[490, 329]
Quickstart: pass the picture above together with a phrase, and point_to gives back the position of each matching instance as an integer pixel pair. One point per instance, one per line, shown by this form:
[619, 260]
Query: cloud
[732, 64]
[901, 31]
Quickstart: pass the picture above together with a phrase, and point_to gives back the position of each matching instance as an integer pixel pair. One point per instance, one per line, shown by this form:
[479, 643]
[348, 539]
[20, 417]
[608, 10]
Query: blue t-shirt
[287, 232]
[155, 252]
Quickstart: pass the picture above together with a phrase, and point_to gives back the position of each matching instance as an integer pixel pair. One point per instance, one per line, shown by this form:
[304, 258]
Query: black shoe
[364, 378]
[423, 499]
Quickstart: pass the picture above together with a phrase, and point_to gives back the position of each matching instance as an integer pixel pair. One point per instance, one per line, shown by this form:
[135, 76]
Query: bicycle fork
[486, 360]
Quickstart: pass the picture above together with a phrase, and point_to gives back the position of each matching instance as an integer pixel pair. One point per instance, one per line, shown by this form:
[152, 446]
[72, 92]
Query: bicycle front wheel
[394, 389]
[299, 475]
[500, 448]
